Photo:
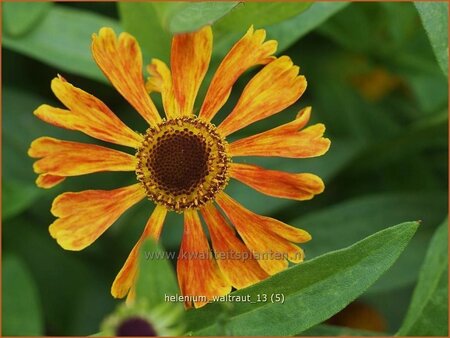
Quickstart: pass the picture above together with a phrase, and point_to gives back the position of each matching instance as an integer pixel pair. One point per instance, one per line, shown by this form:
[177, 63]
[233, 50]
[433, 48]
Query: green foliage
[178, 17]
[20, 17]
[20, 196]
[62, 39]
[339, 277]
[360, 217]
[434, 16]
[428, 312]
[156, 277]
[259, 14]
[21, 306]
[288, 31]
[331, 330]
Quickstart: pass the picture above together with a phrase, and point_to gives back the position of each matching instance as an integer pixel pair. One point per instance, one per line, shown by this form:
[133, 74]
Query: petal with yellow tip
[287, 140]
[190, 56]
[120, 59]
[234, 259]
[268, 239]
[160, 80]
[198, 273]
[276, 183]
[271, 90]
[87, 114]
[249, 51]
[84, 216]
[66, 158]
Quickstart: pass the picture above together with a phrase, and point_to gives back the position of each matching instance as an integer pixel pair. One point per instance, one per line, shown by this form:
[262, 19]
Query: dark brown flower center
[179, 162]
[182, 163]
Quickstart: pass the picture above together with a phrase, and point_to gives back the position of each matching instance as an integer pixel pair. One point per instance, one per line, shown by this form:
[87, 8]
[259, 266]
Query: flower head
[183, 162]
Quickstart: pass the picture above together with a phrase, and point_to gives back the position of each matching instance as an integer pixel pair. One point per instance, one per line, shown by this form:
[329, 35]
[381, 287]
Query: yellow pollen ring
[183, 163]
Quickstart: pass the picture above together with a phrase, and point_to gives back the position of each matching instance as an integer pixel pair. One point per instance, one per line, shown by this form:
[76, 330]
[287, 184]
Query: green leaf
[259, 14]
[156, 276]
[18, 196]
[428, 311]
[332, 330]
[359, 217]
[434, 16]
[62, 39]
[179, 17]
[20, 17]
[21, 310]
[231, 28]
[338, 277]
[289, 31]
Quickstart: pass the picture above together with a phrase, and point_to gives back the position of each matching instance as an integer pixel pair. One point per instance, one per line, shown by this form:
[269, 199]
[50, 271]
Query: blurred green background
[377, 77]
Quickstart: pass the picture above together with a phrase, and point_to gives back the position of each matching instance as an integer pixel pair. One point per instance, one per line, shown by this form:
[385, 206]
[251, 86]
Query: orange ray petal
[121, 62]
[268, 239]
[160, 80]
[190, 56]
[249, 51]
[126, 277]
[47, 181]
[198, 273]
[278, 183]
[234, 259]
[86, 114]
[271, 90]
[65, 158]
[84, 216]
[285, 140]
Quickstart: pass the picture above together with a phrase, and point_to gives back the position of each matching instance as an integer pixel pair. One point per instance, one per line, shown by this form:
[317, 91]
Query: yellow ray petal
[286, 140]
[276, 183]
[84, 216]
[65, 158]
[249, 51]
[190, 56]
[234, 259]
[160, 80]
[268, 239]
[271, 90]
[87, 114]
[198, 273]
[47, 181]
[120, 59]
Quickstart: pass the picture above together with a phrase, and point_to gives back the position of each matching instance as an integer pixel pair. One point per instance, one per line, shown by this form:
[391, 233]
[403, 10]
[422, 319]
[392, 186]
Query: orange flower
[183, 162]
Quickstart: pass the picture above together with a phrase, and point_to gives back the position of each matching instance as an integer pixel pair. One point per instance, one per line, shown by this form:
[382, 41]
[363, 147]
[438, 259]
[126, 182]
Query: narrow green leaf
[17, 197]
[339, 277]
[428, 311]
[21, 311]
[362, 216]
[63, 39]
[434, 16]
[20, 17]
[156, 276]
